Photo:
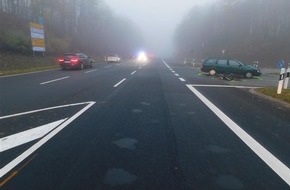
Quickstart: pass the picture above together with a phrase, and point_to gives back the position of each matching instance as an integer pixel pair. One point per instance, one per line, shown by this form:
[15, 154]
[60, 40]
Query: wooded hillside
[250, 30]
[69, 25]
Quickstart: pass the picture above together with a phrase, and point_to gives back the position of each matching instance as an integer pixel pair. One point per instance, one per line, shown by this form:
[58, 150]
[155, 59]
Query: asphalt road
[159, 125]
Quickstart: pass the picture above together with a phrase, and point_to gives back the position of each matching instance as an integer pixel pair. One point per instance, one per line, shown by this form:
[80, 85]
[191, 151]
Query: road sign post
[286, 81]
[281, 80]
[37, 37]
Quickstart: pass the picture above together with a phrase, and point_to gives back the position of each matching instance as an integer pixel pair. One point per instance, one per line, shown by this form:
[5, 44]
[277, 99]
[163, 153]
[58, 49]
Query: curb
[280, 102]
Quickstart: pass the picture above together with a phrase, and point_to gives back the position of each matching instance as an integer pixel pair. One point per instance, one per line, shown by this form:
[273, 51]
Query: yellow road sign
[38, 42]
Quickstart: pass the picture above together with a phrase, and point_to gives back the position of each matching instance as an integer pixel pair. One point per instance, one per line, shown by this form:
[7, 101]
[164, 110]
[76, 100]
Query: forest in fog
[69, 25]
[250, 30]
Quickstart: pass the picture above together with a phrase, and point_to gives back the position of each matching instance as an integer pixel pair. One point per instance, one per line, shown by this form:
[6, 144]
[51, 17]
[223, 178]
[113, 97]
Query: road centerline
[182, 79]
[119, 83]
[55, 80]
[91, 71]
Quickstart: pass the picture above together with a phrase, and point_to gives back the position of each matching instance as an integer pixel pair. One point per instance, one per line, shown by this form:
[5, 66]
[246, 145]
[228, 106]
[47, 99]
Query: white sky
[156, 18]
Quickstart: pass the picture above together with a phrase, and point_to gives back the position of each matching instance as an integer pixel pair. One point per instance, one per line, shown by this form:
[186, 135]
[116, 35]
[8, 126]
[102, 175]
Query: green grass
[17, 64]
[11, 64]
[272, 92]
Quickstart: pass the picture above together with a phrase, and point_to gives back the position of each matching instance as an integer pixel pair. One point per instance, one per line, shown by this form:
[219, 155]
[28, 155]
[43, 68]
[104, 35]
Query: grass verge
[272, 92]
[16, 64]
[11, 64]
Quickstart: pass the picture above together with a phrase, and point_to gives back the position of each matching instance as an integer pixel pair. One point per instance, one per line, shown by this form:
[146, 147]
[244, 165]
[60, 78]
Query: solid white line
[44, 109]
[281, 169]
[119, 83]
[177, 75]
[23, 137]
[91, 71]
[182, 79]
[133, 72]
[28, 152]
[54, 80]
[222, 86]
[28, 73]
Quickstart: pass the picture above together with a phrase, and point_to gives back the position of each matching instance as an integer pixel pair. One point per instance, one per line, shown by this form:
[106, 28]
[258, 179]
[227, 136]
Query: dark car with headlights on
[75, 61]
[215, 66]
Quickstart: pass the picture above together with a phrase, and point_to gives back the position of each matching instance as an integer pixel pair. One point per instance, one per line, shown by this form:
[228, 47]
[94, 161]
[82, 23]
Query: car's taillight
[74, 60]
[60, 60]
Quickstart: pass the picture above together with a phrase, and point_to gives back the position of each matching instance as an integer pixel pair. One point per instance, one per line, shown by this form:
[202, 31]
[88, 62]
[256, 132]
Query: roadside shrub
[57, 46]
[15, 41]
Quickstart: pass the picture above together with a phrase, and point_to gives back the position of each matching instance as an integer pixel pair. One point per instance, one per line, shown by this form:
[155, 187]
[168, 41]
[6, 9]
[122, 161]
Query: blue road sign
[281, 64]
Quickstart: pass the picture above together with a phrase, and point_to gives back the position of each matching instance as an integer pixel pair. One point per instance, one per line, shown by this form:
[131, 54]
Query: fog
[156, 19]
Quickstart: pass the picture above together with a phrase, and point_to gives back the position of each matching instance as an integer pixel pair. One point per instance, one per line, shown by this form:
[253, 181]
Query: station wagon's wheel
[212, 72]
[248, 75]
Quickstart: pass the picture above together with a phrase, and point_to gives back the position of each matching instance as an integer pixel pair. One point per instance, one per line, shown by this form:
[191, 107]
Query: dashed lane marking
[119, 83]
[47, 82]
[182, 79]
[91, 71]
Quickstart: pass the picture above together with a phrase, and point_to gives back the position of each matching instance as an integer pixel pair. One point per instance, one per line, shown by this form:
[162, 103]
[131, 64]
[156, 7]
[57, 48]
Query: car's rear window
[70, 55]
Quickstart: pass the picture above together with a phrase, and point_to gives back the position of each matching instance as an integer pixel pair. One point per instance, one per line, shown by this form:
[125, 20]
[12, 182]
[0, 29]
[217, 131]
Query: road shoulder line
[276, 165]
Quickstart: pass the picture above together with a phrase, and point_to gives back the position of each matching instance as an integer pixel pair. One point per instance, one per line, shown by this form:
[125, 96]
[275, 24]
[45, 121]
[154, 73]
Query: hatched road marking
[57, 127]
[18, 139]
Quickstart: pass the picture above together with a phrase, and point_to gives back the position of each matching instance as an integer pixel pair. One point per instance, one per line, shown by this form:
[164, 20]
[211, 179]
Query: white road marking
[182, 79]
[28, 152]
[133, 72]
[91, 71]
[54, 80]
[44, 109]
[166, 64]
[28, 73]
[222, 86]
[18, 139]
[119, 83]
[276, 165]
[140, 68]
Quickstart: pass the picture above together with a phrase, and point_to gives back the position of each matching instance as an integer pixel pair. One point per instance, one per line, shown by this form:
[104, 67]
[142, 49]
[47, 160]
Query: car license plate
[67, 62]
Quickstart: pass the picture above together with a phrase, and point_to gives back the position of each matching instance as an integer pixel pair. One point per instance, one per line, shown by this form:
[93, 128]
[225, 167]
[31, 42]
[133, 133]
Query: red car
[75, 60]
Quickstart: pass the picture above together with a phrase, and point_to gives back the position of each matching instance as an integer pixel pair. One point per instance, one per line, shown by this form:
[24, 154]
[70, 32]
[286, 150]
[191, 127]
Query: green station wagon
[231, 66]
